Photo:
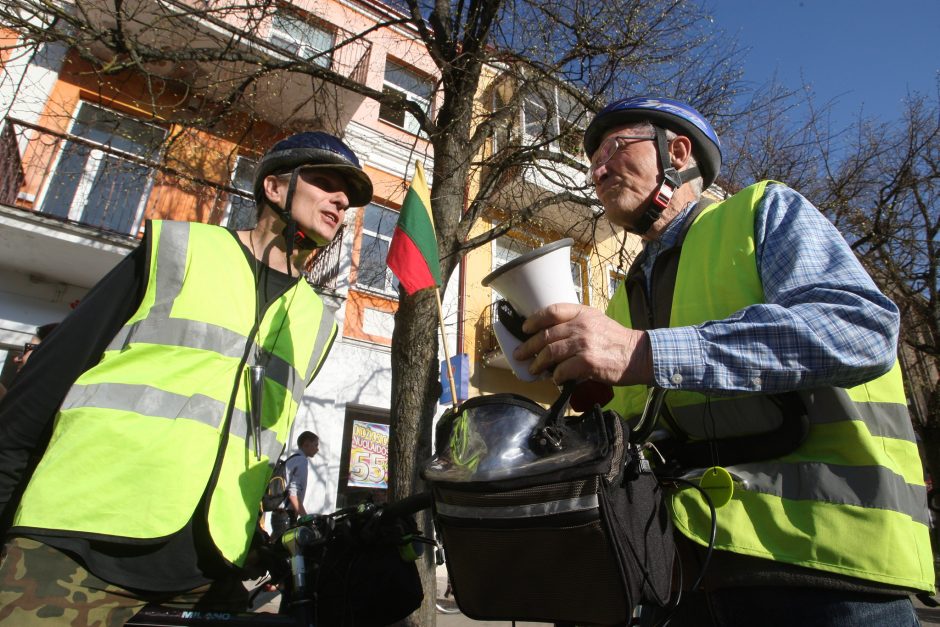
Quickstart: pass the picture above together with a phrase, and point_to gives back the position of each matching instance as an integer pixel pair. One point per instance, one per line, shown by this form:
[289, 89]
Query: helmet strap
[672, 180]
[290, 225]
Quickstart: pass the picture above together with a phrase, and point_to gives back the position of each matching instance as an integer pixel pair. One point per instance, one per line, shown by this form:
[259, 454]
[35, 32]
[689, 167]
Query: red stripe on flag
[408, 264]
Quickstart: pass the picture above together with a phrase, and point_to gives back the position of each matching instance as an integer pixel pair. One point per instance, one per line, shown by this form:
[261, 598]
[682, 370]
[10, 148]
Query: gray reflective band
[147, 401]
[206, 336]
[172, 253]
[564, 506]
[156, 403]
[873, 487]
[745, 415]
[325, 335]
[182, 332]
[888, 420]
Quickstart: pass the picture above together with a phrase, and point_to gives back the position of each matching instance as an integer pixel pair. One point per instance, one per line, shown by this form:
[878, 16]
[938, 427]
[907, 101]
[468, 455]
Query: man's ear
[274, 190]
[680, 150]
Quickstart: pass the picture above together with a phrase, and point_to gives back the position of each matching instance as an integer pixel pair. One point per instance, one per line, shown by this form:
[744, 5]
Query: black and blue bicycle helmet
[662, 113]
[315, 150]
[666, 113]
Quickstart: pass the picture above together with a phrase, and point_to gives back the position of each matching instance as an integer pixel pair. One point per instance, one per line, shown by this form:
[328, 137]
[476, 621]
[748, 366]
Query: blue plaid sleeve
[824, 321]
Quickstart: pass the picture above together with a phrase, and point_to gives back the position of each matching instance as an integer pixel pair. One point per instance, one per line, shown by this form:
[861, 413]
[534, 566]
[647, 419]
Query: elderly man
[172, 389]
[777, 355]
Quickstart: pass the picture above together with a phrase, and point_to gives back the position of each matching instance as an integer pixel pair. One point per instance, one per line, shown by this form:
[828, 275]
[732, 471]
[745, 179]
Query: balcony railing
[76, 180]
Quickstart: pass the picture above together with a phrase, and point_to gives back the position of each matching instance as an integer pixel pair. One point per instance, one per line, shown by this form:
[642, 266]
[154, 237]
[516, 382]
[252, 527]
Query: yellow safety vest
[163, 419]
[851, 499]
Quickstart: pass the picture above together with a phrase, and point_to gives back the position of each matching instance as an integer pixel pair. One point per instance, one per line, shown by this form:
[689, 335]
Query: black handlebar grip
[407, 506]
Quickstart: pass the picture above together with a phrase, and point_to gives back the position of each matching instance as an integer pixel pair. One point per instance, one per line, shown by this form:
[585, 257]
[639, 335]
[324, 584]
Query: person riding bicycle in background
[750, 312]
[173, 387]
[295, 474]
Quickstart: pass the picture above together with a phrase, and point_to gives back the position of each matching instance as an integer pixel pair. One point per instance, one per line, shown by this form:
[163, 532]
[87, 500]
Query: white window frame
[391, 282]
[551, 103]
[241, 161]
[85, 185]
[305, 46]
[614, 278]
[578, 267]
[410, 123]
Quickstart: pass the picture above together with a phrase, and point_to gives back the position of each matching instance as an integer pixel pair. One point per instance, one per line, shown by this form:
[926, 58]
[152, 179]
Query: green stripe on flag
[412, 255]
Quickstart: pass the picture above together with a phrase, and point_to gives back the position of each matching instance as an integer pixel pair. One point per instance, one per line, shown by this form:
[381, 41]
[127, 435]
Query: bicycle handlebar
[407, 506]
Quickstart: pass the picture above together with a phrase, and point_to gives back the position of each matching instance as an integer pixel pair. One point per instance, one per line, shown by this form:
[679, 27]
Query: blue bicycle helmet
[666, 113]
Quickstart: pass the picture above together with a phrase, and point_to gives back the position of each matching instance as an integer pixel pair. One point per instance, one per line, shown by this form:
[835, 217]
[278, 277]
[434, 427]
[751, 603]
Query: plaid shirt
[823, 322]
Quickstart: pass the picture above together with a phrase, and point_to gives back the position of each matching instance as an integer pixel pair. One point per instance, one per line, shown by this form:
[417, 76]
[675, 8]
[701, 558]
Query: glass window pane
[100, 187]
[372, 268]
[576, 279]
[64, 184]
[116, 194]
[506, 249]
[408, 81]
[114, 130]
[391, 114]
[379, 220]
[304, 39]
[414, 87]
[536, 118]
[243, 177]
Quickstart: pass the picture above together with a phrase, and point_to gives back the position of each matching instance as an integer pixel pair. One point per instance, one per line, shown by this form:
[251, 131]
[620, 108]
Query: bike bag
[545, 518]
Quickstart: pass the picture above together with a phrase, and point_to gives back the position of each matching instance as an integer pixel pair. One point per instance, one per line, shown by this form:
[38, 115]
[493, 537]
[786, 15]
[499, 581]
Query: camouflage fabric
[42, 586]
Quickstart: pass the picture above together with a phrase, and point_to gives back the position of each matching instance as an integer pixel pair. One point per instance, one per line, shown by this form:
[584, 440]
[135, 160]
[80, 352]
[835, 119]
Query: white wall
[25, 303]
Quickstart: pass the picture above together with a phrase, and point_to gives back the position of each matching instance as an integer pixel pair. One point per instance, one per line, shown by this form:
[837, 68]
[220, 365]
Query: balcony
[95, 192]
[234, 55]
[112, 184]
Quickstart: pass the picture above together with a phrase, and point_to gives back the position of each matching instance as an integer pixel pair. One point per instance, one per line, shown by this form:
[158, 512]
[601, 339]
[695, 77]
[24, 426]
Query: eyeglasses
[27, 347]
[609, 148]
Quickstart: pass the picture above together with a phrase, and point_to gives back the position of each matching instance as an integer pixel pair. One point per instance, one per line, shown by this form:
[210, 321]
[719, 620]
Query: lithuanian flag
[412, 255]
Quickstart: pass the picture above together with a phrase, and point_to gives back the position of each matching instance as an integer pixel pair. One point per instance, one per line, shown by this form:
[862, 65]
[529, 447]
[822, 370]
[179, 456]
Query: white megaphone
[530, 282]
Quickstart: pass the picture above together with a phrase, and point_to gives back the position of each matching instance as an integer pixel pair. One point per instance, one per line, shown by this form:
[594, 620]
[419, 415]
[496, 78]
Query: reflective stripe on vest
[852, 489]
[164, 414]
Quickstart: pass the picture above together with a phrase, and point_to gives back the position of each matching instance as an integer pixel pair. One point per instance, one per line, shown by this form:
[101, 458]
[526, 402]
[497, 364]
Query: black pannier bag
[545, 518]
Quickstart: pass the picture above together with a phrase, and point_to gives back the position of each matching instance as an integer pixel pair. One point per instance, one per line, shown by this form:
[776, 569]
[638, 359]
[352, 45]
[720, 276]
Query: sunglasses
[27, 347]
[609, 148]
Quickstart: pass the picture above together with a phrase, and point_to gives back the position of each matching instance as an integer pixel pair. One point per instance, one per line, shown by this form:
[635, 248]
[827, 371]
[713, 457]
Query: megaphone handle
[511, 319]
[557, 410]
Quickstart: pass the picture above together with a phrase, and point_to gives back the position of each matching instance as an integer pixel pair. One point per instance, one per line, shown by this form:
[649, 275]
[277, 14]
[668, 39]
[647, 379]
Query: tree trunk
[415, 390]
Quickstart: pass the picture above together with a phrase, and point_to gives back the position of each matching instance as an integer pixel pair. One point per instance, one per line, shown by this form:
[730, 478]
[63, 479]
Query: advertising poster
[368, 455]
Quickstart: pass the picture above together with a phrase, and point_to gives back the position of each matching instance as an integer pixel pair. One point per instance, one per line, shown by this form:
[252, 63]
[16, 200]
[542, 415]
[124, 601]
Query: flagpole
[450, 371]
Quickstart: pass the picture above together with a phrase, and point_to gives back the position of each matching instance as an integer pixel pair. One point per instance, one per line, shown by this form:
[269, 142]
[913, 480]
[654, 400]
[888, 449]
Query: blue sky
[866, 53]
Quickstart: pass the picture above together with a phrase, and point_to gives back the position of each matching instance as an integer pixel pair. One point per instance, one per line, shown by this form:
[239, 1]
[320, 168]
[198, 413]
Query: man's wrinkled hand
[578, 343]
